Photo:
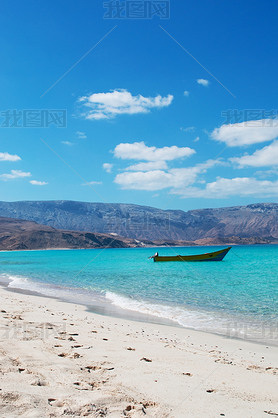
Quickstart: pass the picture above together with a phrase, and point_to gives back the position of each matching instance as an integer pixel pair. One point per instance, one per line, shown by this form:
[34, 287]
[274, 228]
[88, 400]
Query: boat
[215, 256]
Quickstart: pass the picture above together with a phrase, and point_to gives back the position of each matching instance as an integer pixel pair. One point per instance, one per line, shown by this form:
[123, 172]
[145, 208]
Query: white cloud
[117, 102]
[246, 133]
[196, 139]
[15, 174]
[239, 186]
[267, 156]
[68, 143]
[151, 165]
[38, 183]
[186, 93]
[203, 82]
[267, 173]
[140, 151]
[176, 178]
[188, 129]
[5, 156]
[81, 135]
[92, 183]
[150, 180]
[107, 167]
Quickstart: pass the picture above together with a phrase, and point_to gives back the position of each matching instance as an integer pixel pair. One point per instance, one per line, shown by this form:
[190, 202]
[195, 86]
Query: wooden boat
[215, 256]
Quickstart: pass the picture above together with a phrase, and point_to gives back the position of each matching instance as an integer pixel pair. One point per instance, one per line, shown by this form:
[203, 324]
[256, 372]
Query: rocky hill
[17, 234]
[255, 222]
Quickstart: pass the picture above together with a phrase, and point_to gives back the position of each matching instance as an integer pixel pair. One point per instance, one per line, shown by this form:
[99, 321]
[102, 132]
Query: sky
[159, 103]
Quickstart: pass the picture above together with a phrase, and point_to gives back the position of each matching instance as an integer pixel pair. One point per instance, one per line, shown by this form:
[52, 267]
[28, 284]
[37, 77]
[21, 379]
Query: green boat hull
[214, 256]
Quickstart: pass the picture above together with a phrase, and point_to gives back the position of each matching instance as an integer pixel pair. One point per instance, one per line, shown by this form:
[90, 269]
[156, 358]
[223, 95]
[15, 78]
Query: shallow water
[237, 297]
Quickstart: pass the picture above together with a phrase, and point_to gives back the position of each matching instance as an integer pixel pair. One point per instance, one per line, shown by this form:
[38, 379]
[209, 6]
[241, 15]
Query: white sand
[57, 359]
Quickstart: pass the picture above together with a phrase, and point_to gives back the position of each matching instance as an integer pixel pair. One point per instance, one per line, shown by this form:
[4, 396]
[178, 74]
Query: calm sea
[237, 297]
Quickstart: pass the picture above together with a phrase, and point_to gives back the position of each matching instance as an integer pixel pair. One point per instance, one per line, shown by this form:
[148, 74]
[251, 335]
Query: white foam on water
[214, 322]
[24, 283]
[182, 316]
[76, 295]
[17, 282]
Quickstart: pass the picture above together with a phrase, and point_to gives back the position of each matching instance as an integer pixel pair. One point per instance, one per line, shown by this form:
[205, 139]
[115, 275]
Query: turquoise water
[236, 297]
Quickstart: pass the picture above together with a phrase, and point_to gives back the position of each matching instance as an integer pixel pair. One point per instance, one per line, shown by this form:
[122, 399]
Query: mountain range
[255, 222]
[18, 234]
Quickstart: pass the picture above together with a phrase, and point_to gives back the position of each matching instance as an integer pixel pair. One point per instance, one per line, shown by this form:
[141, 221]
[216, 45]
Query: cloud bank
[118, 102]
[238, 186]
[246, 133]
[140, 151]
[267, 156]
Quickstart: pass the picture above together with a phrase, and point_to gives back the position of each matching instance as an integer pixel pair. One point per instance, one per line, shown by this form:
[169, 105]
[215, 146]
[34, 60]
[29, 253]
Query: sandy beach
[58, 359]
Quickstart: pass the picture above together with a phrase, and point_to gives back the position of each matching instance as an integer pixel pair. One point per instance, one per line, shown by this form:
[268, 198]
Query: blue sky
[145, 101]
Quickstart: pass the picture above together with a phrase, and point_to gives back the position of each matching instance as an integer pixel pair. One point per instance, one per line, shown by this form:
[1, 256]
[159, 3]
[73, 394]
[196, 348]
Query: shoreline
[138, 317]
[146, 319]
[109, 309]
[58, 358]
